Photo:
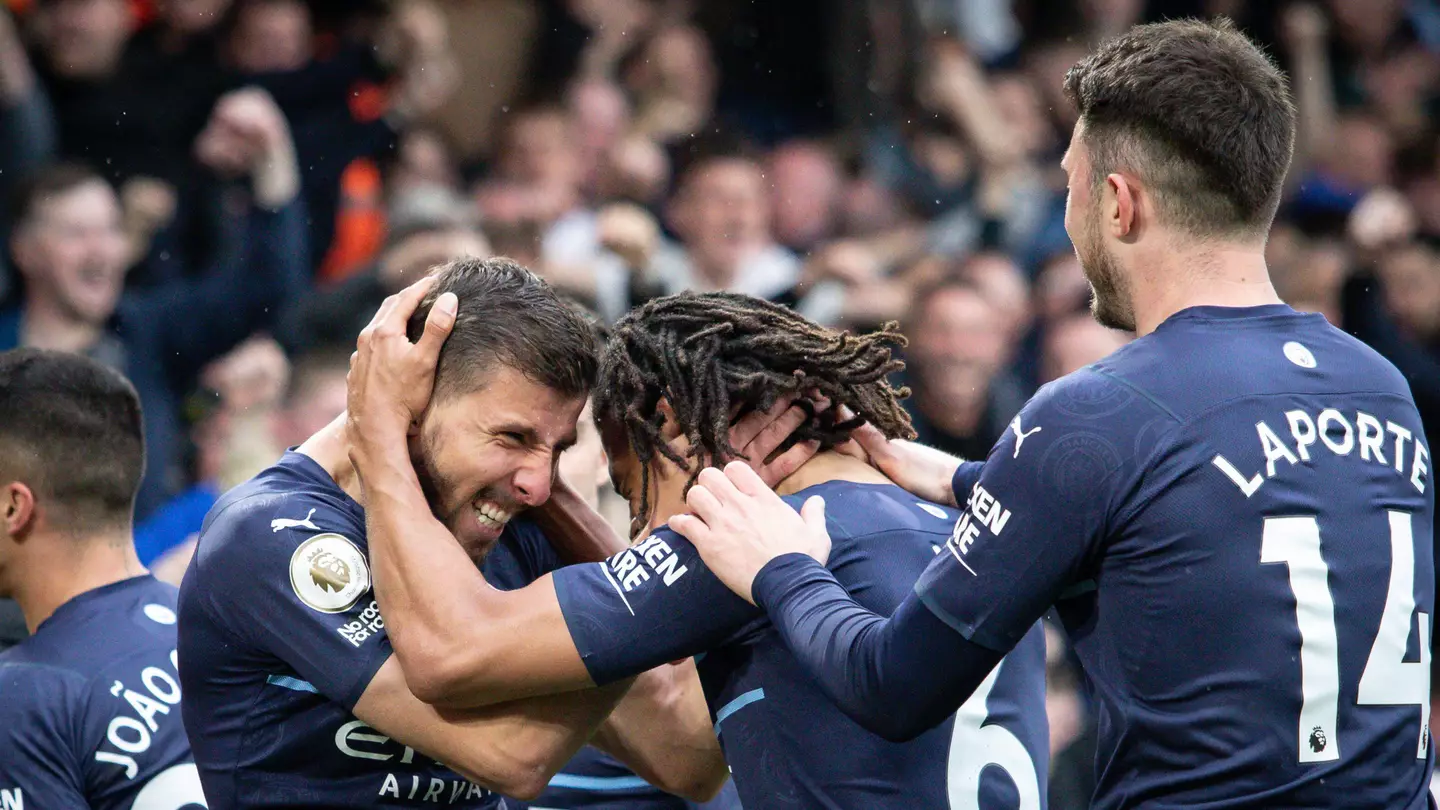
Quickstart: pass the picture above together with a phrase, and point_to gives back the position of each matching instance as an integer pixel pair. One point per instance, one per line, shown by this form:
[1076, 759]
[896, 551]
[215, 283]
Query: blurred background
[214, 195]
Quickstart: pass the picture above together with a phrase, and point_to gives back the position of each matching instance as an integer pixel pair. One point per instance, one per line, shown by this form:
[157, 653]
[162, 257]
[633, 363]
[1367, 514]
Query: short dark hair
[47, 181]
[711, 354]
[1199, 112]
[71, 429]
[510, 316]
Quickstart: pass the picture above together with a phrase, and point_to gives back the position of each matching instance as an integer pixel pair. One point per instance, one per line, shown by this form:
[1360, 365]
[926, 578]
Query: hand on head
[391, 378]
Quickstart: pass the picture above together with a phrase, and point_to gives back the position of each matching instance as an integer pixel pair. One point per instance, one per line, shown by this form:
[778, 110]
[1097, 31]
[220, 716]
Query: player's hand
[920, 470]
[390, 379]
[760, 433]
[739, 524]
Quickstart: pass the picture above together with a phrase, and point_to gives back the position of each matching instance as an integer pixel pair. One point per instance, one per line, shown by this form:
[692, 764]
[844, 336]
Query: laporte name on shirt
[1365, 435]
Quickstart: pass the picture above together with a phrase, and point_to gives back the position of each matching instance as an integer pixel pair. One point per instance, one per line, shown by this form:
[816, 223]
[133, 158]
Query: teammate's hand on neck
[391, 379]
[760, 433]
[739, 525]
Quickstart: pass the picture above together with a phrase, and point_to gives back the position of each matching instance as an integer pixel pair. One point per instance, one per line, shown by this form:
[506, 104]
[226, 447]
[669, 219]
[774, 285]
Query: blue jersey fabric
[279, 637]
[593, 780]
[1234, 516]
[786, 743]
[90, 707]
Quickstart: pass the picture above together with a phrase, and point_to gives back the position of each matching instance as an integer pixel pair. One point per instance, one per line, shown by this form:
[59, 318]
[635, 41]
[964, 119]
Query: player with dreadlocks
[677, 378]
[717, 356]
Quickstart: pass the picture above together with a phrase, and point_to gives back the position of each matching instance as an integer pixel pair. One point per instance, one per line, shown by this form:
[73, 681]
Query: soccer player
[292, 695]
[1234, 514]
[674, 378]
[89, 704]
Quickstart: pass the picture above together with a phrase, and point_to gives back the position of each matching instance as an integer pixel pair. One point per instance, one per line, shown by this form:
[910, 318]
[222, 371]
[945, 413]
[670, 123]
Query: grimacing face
[485, 455]
[1110, 302]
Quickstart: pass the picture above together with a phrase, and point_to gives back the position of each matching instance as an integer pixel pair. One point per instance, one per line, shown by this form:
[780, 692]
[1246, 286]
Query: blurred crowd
[214, 195]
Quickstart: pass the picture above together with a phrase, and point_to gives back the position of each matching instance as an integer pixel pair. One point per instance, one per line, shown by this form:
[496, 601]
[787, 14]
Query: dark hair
[508, 315]
[1199, 113]
[47, 181]
[71, 429]
[709, 355]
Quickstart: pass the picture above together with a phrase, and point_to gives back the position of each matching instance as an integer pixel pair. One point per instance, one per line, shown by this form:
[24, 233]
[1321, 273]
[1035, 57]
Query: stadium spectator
[962, 397]
[69, 250]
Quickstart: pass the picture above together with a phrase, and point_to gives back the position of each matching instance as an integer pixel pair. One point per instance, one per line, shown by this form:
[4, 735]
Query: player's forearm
[924, 471]
[514, 748]
[897, 677]
[662, 731]
[578, 532]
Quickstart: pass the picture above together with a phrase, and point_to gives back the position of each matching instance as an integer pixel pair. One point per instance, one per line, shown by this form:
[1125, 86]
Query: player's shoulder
[856, 510]
[288, 503]
[116, 636]
[522, 555]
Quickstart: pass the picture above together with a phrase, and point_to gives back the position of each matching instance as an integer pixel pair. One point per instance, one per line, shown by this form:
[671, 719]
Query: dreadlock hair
[714, 357]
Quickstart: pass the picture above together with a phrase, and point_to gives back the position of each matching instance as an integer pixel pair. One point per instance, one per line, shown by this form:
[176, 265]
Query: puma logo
[285, 523]
[1021, 434]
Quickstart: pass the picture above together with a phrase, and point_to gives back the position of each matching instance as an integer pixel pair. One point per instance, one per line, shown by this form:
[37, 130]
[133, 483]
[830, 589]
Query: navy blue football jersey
[787, 744]
[593, 780]
[279, 637]
[1235, 518]
[90, 707]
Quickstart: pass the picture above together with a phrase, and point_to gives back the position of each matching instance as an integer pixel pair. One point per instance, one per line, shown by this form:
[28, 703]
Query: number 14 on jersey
[1387, 680]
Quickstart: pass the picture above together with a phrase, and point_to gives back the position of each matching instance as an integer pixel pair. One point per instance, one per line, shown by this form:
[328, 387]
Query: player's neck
[65, 567]
[830, 466]
[1215, 275]
[328, 449]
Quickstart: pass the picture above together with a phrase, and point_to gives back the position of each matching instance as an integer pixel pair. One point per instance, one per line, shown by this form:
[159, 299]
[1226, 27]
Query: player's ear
[19, 510]
[670, 429]
[1121, 207]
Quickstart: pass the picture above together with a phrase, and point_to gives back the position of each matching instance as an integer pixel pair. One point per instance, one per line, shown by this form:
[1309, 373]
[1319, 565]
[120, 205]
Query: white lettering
[12, 799]
[655, 551]
[1332, 416]
[475, 793]
[1402, 435]
[1274, 448]
[983, 499]
[414, 786]
[392, 786]
[456, 790]
[624, 561]
[1418, 467]
[1371, 436]
[1302, 429]
[1248, 487]
[175, 659]
[146, 707]
[636, 576]
[351, 732]
[999, 516]
[968, 536]
[131, 767]
[667, 570]
[437, 789]
[408, 757]
[170, 694]
[142, 735]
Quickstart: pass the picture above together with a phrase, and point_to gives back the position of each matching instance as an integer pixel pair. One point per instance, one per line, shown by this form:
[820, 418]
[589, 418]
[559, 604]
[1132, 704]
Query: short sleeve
[1036, 518]
[40, 766]
[290, 576]
[651, 604]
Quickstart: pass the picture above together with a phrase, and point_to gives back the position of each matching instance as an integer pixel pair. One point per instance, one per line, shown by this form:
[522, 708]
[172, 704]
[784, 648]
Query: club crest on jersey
[329, 573]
